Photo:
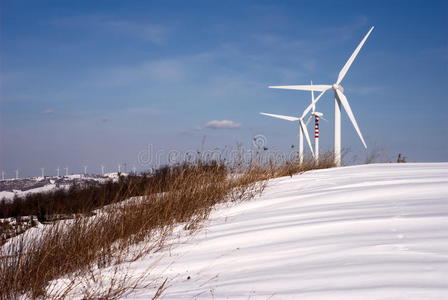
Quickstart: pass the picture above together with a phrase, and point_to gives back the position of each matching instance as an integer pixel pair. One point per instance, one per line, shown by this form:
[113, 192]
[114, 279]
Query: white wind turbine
[340, 100]
[316, 115]
[302, 128]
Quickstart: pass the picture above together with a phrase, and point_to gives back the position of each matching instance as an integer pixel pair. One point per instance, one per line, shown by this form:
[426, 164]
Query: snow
[10, 195]
[55, 182]
[362, 232]
[6, 195]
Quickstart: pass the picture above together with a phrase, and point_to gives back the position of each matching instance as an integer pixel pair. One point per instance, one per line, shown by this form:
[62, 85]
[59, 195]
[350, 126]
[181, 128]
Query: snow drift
[362, 232]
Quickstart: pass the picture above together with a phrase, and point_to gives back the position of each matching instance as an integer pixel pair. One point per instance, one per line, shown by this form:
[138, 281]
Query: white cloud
[222, 124]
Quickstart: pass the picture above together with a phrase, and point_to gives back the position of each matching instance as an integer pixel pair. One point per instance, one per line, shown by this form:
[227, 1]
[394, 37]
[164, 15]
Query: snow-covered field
[363, 232]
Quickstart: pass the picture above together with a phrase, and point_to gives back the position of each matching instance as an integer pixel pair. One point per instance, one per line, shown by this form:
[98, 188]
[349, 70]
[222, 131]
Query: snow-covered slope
[362, 232]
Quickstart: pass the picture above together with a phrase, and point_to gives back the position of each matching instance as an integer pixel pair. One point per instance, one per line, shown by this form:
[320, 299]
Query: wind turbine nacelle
[338, 87]
[319, 114]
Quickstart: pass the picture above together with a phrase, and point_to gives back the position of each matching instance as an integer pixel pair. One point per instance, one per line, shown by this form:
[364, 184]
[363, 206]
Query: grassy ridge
[88, 196]
[176, 195]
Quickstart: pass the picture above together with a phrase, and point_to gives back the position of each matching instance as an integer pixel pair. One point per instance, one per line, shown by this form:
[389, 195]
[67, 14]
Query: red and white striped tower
[316, 138]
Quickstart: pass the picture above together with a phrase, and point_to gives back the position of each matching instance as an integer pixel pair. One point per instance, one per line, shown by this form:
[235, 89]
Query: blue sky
[95, 82]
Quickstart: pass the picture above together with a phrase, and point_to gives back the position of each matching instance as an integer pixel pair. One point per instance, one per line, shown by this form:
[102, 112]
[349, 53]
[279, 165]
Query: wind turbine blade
[312, 104]
[348, 109]
[318, 88]
[305, 132]
[281, 117]
[308, 121]
[352, 58]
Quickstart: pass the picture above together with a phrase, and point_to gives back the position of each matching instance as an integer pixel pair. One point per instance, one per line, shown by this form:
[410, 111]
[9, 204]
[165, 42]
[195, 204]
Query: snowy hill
[362, 232]
[24, 186]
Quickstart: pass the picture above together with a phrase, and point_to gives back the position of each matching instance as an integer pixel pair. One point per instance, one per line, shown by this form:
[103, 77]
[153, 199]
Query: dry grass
[289, 168]
[78, 248]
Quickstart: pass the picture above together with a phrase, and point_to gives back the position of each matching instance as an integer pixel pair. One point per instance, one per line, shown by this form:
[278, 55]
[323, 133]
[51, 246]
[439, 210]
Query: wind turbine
[57, 172]
[302, 128]
[43, 172]
[316, 115]
[339, 100]
[102, 170]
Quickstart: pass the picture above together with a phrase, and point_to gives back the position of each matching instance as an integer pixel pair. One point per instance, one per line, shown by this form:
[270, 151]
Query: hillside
[24, 186]
[362, 232]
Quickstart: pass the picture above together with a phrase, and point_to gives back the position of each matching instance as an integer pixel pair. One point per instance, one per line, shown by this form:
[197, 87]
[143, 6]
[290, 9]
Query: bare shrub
[375, 156]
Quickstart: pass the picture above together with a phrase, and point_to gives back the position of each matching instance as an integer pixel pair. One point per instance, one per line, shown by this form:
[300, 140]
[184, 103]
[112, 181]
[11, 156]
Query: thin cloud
[48, 112]
[191, 131]
[365, 90]
[222, 124]
[154, 33]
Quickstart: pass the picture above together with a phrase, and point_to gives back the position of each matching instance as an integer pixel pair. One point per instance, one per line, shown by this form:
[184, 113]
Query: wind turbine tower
[102, 170]
[42, 172]
[317, 115]
[66, 171]
[85, 171]
[57, 172]
[17, 173]
[3, 175]
[316, 138]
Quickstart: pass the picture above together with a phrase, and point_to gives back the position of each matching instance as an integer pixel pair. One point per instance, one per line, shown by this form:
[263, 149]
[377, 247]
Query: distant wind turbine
[3, 175]
[316, 115]
[102, 170]
[57, 172]
[302, 128]
[85, 170]
[340, 100]
[17, 173]
[66, 171]
[43, 172]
